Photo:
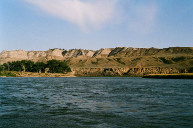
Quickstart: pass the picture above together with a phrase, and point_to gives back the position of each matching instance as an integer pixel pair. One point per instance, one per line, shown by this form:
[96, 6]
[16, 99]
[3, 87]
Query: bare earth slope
[120, 61]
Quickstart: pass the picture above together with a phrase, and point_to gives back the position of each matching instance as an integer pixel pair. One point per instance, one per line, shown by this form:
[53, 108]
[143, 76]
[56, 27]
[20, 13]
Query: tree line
[52, 66]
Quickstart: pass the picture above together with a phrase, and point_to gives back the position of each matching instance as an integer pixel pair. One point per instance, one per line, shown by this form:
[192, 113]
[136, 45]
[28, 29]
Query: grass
[170, 76]
[7, 74]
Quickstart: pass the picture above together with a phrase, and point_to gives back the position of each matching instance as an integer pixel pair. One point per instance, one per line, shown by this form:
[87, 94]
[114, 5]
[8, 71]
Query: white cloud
[86, 14]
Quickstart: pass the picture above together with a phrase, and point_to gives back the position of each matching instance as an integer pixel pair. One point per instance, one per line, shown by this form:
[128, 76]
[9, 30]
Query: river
[95, 102]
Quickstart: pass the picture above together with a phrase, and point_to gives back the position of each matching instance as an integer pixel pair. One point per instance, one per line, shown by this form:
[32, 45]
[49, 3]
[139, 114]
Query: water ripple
[95, 102]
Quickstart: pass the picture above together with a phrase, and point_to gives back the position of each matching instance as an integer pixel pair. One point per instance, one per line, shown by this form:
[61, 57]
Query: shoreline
[63, 75]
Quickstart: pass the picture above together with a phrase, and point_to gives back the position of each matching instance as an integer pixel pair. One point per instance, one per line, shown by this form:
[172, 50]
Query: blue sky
[95, 24]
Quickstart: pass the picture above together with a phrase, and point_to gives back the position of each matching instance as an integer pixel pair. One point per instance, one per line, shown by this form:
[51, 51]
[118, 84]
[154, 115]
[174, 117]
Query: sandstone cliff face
[102, 52]
[118, 61]
[125, 71]
[129, 52]
[6, 56]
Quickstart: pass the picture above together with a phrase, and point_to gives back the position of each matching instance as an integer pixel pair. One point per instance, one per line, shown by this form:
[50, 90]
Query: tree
[27, 65]
[14, 66]
[5, 66]
[39, 67]
[2, 68]
[56, 66]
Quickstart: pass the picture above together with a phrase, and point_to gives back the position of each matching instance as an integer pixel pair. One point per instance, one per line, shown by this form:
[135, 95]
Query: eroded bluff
[118, 61]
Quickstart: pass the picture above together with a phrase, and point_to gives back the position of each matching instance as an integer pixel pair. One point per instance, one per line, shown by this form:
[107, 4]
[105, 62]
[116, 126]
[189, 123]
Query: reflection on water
[95, 102]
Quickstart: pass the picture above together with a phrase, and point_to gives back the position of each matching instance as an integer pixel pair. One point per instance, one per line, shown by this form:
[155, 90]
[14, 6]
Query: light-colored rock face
[16, 54]
[36, 54]
[73, 53]
[55, 52]
[78, 53]
[59, 54]
[102, 52]
[90, 53]
[106, 51]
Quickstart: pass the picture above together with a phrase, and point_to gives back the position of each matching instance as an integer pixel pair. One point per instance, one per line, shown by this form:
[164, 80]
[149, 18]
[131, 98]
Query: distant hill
[113, 61]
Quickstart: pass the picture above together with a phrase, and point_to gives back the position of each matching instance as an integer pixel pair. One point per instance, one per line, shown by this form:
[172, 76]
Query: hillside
[113, 61]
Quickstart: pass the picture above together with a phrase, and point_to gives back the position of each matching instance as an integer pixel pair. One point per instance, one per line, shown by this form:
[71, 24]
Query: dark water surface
[95, 103]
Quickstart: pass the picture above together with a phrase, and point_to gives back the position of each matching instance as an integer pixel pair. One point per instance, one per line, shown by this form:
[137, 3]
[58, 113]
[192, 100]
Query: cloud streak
[83, 13]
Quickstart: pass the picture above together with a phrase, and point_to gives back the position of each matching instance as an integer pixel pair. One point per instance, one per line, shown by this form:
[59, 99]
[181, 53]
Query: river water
[95, 102]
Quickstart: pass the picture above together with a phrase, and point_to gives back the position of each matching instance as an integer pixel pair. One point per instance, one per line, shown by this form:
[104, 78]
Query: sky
[95, 24]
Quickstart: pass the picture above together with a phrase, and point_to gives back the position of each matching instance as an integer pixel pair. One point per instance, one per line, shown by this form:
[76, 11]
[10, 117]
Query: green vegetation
[190, 70]
[56, 66]
[165, 61]
[39, 67]
[64, 52]
[24, 65]
[7, 74]
[177, 59]
[53, 66]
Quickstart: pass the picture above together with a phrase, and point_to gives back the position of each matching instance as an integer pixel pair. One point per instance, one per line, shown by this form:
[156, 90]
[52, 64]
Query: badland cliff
[120, 61]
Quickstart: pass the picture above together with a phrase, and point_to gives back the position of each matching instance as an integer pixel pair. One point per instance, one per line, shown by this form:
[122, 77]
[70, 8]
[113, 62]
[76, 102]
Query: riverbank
[170, 76]
[34, 74]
